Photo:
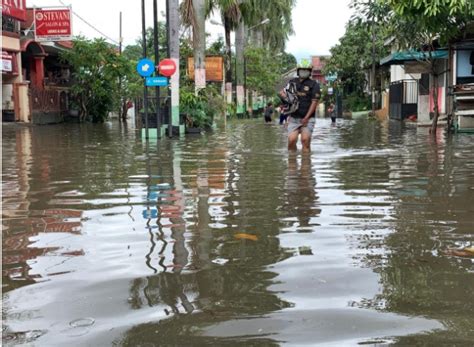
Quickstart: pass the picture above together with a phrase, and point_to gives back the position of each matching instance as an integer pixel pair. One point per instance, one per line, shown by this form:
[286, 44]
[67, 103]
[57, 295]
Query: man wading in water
[301, 110]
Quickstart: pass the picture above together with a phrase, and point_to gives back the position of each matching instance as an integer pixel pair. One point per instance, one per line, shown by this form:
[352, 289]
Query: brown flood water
[225, 239]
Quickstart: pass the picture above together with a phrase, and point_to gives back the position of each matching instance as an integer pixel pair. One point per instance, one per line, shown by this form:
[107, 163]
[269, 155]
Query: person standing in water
[302, 118]
[269, 113]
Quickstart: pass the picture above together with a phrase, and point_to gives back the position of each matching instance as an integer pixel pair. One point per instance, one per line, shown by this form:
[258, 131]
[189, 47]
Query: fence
[48, 106]
[403, 100]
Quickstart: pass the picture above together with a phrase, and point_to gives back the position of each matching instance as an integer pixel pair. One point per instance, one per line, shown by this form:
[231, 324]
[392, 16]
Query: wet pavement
[226, 239]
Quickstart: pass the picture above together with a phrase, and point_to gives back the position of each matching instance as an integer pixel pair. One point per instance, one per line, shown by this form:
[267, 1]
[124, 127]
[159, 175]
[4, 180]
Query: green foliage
[96, 69]
[356, 102]
[263, 70]
[354, 53]
[133, 84]
[287, 62]
[418, 23]
[200, 108]
[217, 47]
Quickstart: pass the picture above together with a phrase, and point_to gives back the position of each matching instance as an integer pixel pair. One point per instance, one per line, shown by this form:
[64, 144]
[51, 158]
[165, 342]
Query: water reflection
[23, 222]
[343, 246]
[301, 200]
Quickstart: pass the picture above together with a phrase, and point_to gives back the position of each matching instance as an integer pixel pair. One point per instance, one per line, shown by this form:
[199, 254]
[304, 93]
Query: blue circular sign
[145, 67]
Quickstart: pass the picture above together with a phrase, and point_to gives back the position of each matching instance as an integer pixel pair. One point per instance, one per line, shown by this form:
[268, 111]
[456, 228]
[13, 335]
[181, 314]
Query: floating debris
[467, 252]
[82, 322]
[305, 250]
[245, 236]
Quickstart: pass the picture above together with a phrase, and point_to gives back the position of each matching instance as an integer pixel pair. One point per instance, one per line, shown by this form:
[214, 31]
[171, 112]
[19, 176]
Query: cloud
[318, 25]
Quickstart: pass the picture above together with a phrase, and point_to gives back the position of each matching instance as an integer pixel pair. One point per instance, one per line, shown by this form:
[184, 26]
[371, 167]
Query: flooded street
[226, 239]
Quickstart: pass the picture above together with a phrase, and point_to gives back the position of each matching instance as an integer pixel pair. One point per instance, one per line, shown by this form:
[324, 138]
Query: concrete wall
[423, 108]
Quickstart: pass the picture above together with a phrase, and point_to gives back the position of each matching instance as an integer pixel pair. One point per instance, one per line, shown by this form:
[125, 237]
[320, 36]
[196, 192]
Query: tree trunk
[240, 74]
[228, 63]
[434, 124]
[199, 44]
[124, 111]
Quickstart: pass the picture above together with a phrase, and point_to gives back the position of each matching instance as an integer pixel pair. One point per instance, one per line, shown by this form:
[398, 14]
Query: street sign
[145, 67]
[158, 81]
[167, 67]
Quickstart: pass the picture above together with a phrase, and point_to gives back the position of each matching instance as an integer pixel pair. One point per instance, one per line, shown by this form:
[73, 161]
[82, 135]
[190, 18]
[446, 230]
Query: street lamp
[265, 21]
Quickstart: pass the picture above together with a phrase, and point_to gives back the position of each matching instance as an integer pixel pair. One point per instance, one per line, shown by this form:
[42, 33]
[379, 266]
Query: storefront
[15, 105]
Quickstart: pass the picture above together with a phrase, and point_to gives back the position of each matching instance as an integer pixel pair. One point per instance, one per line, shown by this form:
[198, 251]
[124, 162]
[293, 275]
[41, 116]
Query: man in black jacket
[302, 120]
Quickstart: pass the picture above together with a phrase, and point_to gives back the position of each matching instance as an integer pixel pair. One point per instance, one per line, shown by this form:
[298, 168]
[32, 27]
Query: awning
[399, 58]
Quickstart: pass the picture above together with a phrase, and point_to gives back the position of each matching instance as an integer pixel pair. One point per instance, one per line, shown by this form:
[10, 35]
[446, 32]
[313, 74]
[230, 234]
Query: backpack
[290, 100]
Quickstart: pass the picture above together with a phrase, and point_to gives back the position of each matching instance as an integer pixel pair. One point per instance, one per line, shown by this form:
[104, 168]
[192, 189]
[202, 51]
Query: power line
[89, 24]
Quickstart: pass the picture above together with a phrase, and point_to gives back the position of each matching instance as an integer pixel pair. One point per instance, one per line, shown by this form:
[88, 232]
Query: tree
[354, 53]
[96, 69]
[421, 26]
[263, 71]
[288, 62]
[230, 13]
[193, 13]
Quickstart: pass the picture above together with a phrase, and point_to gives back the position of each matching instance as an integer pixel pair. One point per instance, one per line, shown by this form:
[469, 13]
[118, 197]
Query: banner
[53, 25]
[214, 68]
[7, 62]
[14, 9]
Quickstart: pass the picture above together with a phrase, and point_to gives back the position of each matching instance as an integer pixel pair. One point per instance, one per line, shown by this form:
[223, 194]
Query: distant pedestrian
[282, 115]
[332, 112]
[268, 113]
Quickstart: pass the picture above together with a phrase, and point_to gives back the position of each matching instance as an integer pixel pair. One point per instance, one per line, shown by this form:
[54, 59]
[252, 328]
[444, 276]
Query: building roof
[399, 58]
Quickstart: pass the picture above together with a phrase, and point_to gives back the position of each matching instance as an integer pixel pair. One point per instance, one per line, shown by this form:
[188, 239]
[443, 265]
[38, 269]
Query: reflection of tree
[238, 192]
[432, 210]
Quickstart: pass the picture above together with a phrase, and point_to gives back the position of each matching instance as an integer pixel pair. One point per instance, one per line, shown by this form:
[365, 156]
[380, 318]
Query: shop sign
[53, 25]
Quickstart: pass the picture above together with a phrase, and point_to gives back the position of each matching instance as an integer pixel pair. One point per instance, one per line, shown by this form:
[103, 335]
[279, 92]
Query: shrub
[201, 108]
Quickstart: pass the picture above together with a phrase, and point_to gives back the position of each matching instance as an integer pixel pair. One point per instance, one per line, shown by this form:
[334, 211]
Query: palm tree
[193, 13]
[230, 13]
[274, 34]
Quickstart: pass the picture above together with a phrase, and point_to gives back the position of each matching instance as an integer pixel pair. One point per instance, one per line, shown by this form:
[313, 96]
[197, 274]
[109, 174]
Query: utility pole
[157, 61]
[372, 80]
[120, 33]
[145, 89]
[122, 117]
[173, 25]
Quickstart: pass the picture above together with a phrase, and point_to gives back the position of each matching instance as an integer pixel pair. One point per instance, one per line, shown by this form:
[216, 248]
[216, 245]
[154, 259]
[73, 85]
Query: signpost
[157, 81]
[167, 67]
[214, 68]
[145, 67]
[53, 24]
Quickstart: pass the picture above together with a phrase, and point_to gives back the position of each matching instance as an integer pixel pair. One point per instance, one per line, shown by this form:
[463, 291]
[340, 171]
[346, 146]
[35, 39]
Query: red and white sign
[53, 25]
[7, 62]
[167, 67]
[15, 9]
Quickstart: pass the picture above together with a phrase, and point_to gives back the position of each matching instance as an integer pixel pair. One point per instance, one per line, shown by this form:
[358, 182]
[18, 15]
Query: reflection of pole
[157, 61]
[373, 66]
[245, 84]
[170, 115]
[145, 89]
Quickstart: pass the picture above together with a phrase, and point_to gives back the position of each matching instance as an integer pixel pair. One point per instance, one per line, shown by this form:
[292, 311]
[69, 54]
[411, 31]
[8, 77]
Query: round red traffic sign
[167, 67]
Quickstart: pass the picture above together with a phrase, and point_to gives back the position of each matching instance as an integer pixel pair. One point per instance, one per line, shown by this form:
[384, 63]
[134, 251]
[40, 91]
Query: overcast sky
[318, 24]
